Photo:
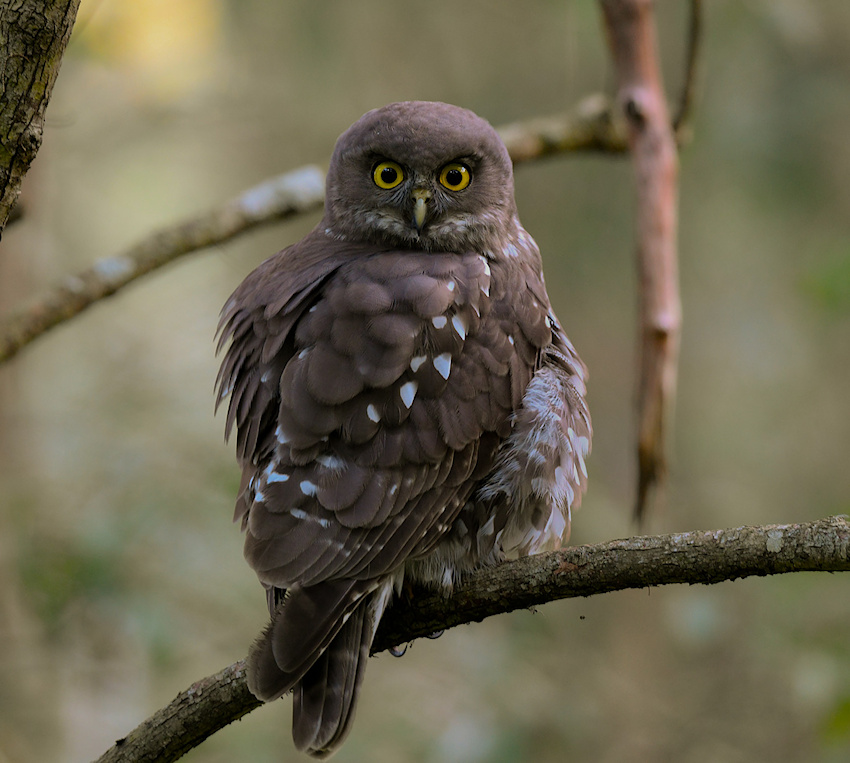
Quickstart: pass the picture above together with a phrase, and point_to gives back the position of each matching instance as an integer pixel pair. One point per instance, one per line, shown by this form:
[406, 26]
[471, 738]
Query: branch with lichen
[641, 562]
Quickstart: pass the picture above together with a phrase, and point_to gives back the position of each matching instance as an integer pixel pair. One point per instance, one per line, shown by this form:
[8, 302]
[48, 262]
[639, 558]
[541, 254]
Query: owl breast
[523, 504]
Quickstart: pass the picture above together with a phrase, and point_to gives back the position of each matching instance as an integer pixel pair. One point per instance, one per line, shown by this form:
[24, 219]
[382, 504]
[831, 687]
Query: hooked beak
[420, 207]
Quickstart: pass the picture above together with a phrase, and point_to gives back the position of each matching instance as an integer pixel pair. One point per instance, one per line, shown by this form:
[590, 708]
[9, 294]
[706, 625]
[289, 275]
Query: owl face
[423, 176]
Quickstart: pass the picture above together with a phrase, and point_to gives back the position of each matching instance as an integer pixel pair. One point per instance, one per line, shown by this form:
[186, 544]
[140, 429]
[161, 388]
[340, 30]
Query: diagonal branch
[275, 199]
[589, 128]
[693, 557]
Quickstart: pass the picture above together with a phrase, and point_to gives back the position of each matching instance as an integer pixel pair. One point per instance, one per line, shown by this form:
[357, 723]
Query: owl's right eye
[387, 175]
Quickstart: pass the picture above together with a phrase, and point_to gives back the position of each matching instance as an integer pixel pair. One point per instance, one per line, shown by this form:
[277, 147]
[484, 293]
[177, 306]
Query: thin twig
[682, 120]
[589, 128]
[694, 558]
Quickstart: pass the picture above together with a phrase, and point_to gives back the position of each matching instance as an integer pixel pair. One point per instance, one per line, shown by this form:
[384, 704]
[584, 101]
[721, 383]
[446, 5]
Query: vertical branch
[631, 36]
[33, 36]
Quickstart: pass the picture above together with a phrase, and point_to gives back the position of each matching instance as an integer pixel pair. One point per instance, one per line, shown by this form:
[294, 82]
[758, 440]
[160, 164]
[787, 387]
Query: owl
[407, 406]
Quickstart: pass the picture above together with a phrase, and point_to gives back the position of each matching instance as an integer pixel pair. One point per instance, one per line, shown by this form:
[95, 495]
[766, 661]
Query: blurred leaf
[828, 284]
[837, 725]
[56, 575]
[167, 48]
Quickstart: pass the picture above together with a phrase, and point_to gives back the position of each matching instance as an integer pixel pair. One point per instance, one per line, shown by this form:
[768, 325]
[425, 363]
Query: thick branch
[694, 557]
[33, 36]
[631, 36]
[589, 129]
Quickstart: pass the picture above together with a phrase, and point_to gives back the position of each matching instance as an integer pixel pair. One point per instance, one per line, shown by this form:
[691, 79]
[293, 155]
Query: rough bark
[641, 562]
[33, 37]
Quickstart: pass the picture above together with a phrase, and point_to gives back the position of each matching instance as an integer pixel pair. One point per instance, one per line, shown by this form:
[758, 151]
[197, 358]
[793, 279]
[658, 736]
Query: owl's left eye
[387, 175]
[455, 176]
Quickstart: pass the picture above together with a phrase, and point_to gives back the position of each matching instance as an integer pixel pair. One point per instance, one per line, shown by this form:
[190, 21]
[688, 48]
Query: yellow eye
[387, 175]
[455, 176]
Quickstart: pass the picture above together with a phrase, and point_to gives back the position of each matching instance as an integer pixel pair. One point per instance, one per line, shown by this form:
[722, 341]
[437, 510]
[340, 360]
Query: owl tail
[317, 644]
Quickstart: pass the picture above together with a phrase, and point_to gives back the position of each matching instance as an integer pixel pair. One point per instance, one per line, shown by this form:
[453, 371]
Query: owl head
[420, 175]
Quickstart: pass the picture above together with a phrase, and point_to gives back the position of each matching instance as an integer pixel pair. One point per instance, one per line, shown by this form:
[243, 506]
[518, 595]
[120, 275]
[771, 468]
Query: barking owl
[407, 405]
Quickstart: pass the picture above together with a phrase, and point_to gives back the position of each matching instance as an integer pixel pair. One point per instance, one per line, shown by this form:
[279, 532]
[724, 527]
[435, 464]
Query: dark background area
[121, 576]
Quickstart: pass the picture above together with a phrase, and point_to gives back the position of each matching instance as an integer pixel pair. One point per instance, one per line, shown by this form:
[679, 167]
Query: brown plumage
[406, 404]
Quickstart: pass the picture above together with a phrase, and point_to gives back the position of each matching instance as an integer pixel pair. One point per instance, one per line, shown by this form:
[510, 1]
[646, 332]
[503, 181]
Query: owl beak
[421, 197]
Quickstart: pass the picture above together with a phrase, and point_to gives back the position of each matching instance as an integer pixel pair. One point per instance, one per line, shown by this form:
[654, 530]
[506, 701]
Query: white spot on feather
[281, 436]
[560, 474]
[330, 462]
[581, 463]
[277, 477]
[488, 528]
[451, 285]
[305, 517]
[308, 488]
[407, 392]
[460, 325]
[373, 413]
[443, 364]
[416, 362]
[511, 339]
[439, 321]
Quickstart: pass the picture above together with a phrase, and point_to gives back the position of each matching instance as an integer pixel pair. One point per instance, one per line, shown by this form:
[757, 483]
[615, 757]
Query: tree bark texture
[33, 37]
[692, 557]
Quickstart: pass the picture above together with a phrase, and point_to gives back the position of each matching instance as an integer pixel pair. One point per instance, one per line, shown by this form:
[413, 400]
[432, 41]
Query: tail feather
[305, 622]
[324, 699]
[321, 654]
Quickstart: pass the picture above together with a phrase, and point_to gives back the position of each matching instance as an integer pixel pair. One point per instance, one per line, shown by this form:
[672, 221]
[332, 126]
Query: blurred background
[121, 575]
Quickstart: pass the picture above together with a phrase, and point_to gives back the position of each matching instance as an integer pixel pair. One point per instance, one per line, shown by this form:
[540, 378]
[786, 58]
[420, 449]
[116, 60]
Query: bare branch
[631, 36]
[693, 557]
[590, 128]
[275, 199]
[34, 35]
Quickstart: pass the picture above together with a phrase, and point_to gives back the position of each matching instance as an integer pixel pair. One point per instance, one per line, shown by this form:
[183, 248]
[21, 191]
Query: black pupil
[389, 175]
[454, 177]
